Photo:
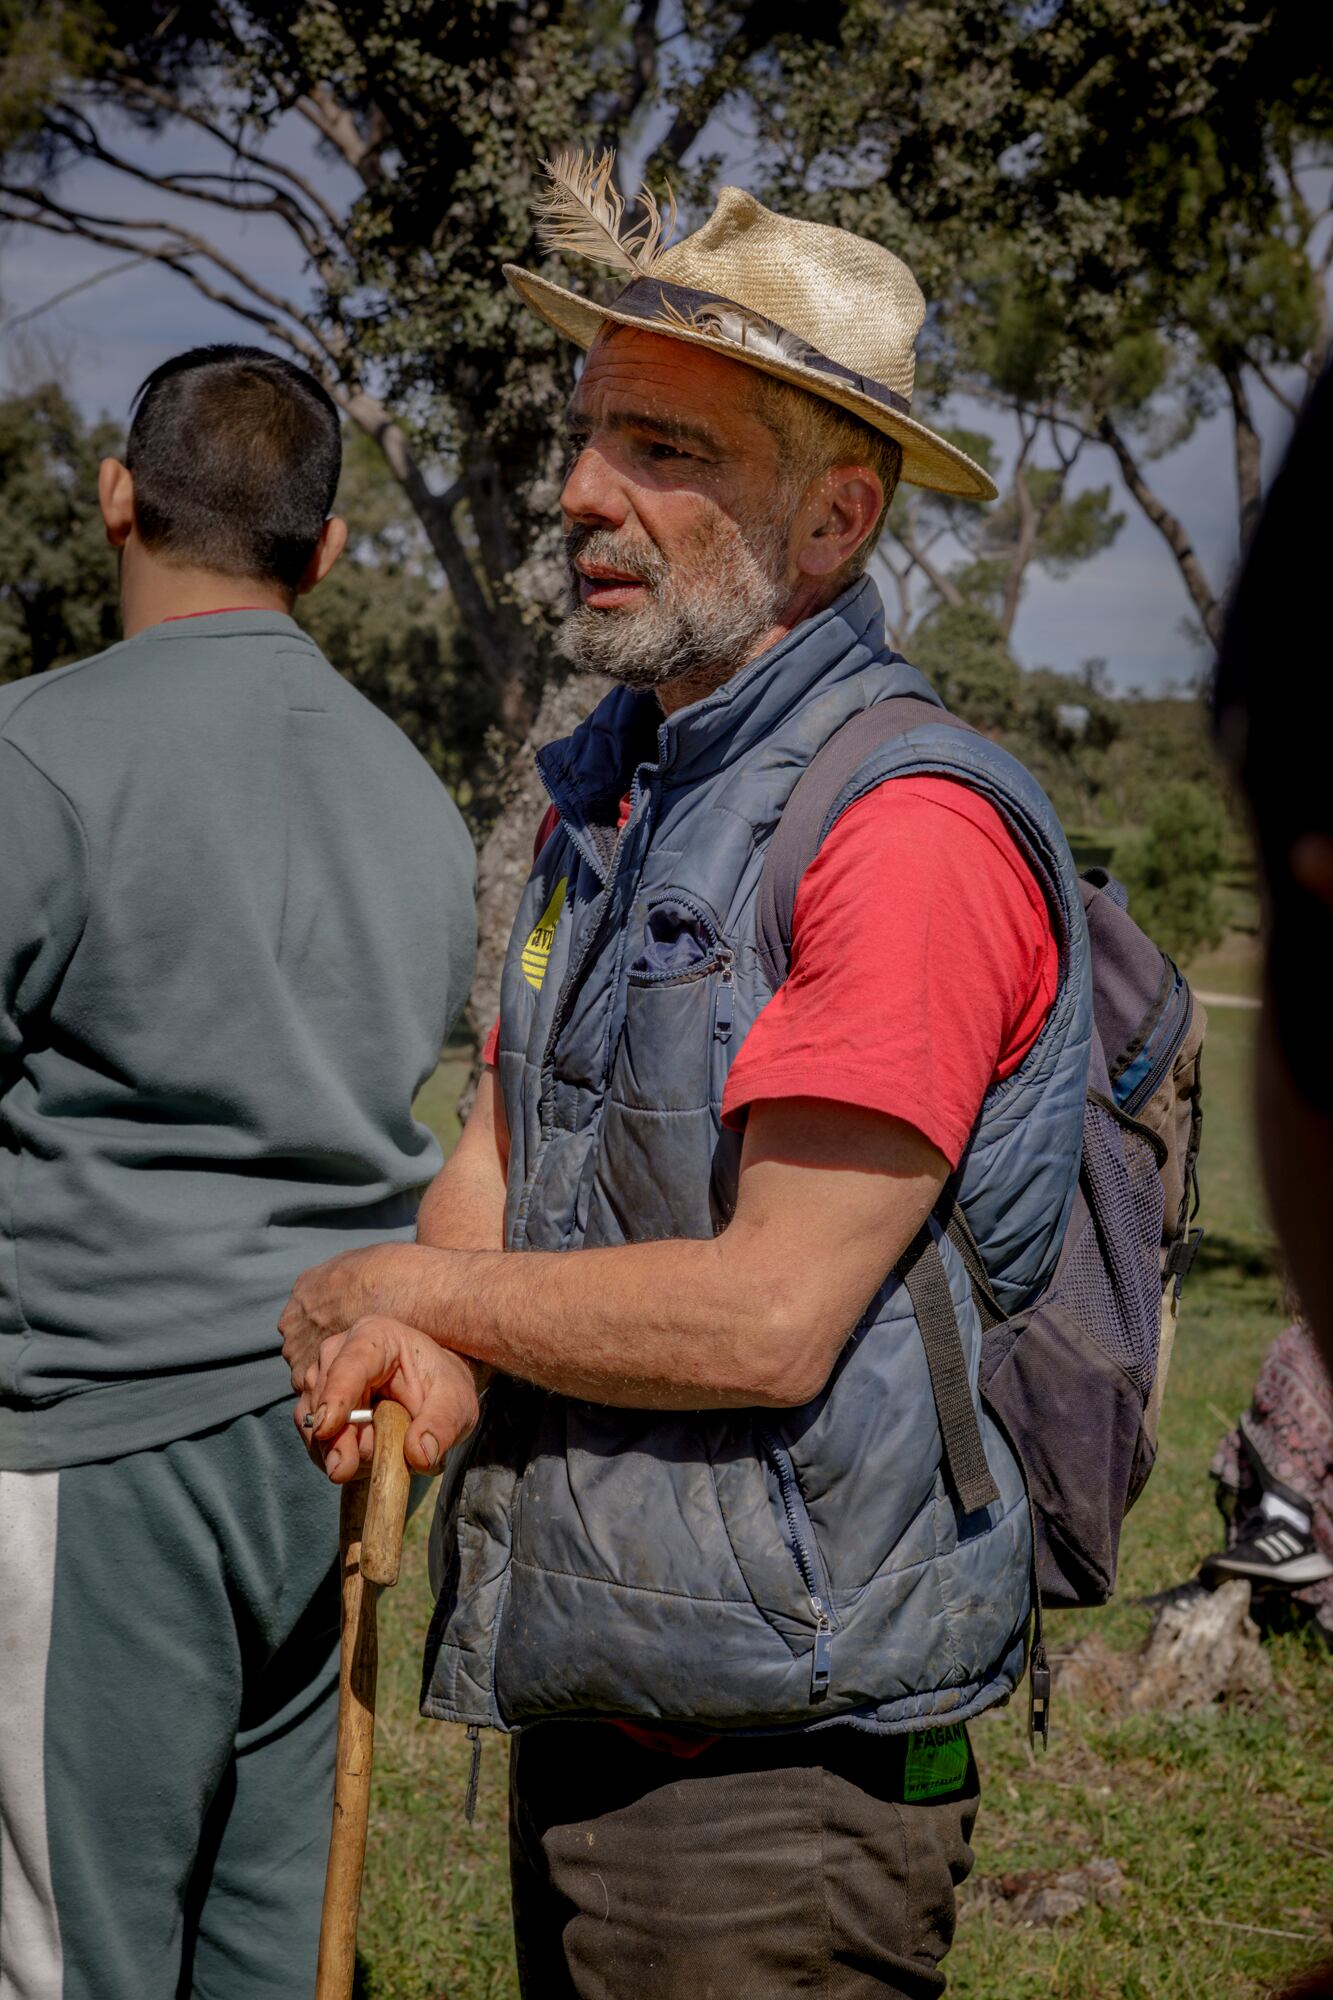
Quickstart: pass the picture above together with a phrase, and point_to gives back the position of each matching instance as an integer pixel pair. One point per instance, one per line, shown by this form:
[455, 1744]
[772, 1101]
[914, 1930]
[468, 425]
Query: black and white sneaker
[1275, 1553]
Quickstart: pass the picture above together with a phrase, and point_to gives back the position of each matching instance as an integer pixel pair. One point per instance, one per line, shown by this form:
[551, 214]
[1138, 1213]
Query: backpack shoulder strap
[799, 832]
[793, 847]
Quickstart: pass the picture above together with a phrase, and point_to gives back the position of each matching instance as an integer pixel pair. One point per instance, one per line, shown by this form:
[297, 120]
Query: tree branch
[336, 123]
[1169, 527]
[691, 117]
[180, 243]
[54, 223]
[176, 107]
[283, 205]
[1029, 528]
[1279, 395]
[1245, 442]
[939, 580]
[72, 292]
[639, 79]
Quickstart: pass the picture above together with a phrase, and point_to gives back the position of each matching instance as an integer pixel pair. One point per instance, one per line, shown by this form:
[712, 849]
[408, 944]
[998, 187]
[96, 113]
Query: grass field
[1221, 1824]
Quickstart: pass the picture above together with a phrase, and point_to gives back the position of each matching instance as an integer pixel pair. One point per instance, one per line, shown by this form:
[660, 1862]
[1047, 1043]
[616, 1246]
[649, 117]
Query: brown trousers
[766, 1866]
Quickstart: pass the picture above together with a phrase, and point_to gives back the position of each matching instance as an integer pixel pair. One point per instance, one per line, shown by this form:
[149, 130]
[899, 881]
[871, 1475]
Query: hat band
[685, 310]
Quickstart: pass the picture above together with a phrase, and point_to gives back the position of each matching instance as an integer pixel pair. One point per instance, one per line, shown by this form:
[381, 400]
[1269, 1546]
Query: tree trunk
[1029, 527]
[506, 649]
[1249, 477]
[1171, 530]
[506, 857]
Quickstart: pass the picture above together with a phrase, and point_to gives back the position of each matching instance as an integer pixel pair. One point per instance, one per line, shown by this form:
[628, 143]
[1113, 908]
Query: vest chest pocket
[679, 1009]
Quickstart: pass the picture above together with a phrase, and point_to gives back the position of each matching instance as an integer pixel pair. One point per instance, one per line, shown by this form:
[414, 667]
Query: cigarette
[353, 1417]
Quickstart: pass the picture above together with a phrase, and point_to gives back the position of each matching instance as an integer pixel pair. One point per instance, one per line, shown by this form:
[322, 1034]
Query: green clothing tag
[936, 1763]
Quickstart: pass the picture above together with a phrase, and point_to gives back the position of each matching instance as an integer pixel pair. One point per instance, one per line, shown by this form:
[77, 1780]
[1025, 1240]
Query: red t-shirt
[923, 966]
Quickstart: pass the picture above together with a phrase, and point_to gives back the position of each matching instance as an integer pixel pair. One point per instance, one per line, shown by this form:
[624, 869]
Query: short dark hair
[235, 455]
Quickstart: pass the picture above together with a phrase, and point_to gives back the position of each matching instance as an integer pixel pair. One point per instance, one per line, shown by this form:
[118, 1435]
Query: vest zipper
[821, 1662]
[724, 1000]
[573, 971]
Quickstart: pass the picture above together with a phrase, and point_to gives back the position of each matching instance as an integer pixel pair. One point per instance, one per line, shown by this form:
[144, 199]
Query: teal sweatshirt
[236, 923]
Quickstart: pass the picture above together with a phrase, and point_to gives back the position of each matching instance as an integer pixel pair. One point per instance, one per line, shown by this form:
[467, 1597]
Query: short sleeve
[923, 966]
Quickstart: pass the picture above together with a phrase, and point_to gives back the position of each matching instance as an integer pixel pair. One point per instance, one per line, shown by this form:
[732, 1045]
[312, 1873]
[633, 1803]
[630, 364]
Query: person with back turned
[235, 925]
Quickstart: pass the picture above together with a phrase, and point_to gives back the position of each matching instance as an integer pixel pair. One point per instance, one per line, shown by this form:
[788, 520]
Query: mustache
[601, 545]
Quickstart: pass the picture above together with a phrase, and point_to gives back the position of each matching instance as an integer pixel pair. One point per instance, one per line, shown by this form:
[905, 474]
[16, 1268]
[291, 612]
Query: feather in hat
[583, 212]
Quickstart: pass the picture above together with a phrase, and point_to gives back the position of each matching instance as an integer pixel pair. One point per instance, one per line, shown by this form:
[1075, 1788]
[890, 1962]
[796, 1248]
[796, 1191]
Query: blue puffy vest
[732, 1569]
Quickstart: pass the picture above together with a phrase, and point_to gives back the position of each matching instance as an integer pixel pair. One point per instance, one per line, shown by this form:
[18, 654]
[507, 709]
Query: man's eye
[665, 452]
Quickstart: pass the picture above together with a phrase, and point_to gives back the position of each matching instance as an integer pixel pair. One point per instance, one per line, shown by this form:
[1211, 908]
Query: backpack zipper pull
[722, 1005]
[1039, 1696]
[821, 1664]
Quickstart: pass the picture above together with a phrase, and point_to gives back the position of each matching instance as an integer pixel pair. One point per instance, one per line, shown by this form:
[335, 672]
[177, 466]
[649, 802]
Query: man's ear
[332, 541]
[839, 510]
[115, 497]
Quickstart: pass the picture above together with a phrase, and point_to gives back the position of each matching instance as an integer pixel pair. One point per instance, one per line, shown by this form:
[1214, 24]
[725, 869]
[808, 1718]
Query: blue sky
[1127, 606]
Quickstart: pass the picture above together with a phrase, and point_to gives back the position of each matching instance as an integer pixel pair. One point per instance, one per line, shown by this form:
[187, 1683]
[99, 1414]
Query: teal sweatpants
[168, 1701]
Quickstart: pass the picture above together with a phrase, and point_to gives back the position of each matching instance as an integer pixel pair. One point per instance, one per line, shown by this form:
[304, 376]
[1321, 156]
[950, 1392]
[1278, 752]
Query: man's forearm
[673, 1325]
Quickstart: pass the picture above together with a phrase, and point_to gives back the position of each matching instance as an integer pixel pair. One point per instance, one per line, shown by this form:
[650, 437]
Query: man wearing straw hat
[733, 1546]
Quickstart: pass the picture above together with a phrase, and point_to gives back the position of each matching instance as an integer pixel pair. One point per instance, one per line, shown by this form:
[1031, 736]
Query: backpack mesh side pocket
[1107, 1276]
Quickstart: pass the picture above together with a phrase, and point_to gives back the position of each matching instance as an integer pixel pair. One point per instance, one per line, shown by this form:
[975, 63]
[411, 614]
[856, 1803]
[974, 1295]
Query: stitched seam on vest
[497, 1626]
[849, 1599]
[639, 1589]
[660, 1111]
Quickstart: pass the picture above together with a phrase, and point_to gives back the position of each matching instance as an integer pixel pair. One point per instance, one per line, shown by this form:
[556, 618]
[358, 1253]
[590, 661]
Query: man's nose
[592, 495]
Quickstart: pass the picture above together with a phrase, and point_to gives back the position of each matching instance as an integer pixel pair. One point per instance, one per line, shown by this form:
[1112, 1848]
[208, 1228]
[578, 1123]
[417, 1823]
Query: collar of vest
[588, 772]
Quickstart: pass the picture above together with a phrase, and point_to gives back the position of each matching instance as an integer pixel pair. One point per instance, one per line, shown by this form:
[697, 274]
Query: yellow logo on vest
[536, 955]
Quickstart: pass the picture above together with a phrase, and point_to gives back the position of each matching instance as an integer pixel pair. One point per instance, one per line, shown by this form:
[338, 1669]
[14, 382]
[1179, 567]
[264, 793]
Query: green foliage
[57, 575]
[1171, 868]
[963, 652]
[1090, 187]
[39, 47]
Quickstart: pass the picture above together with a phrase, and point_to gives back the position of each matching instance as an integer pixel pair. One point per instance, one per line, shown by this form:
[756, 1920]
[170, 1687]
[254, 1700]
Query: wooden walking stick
[370, 1542]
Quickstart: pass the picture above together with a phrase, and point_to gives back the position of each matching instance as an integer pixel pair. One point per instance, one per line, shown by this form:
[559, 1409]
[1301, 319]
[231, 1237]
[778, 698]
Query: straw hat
[818, 307]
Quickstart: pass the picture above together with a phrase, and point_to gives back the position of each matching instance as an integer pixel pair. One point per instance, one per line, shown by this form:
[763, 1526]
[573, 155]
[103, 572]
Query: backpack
[1074, 1380]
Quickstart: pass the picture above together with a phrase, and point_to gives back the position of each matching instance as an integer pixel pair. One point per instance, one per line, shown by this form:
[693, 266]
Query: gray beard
[702, 617]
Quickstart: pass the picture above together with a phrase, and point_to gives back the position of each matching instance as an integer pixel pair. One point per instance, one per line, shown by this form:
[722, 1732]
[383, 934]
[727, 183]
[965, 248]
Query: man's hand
[434, 1386]
[326, 1300]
